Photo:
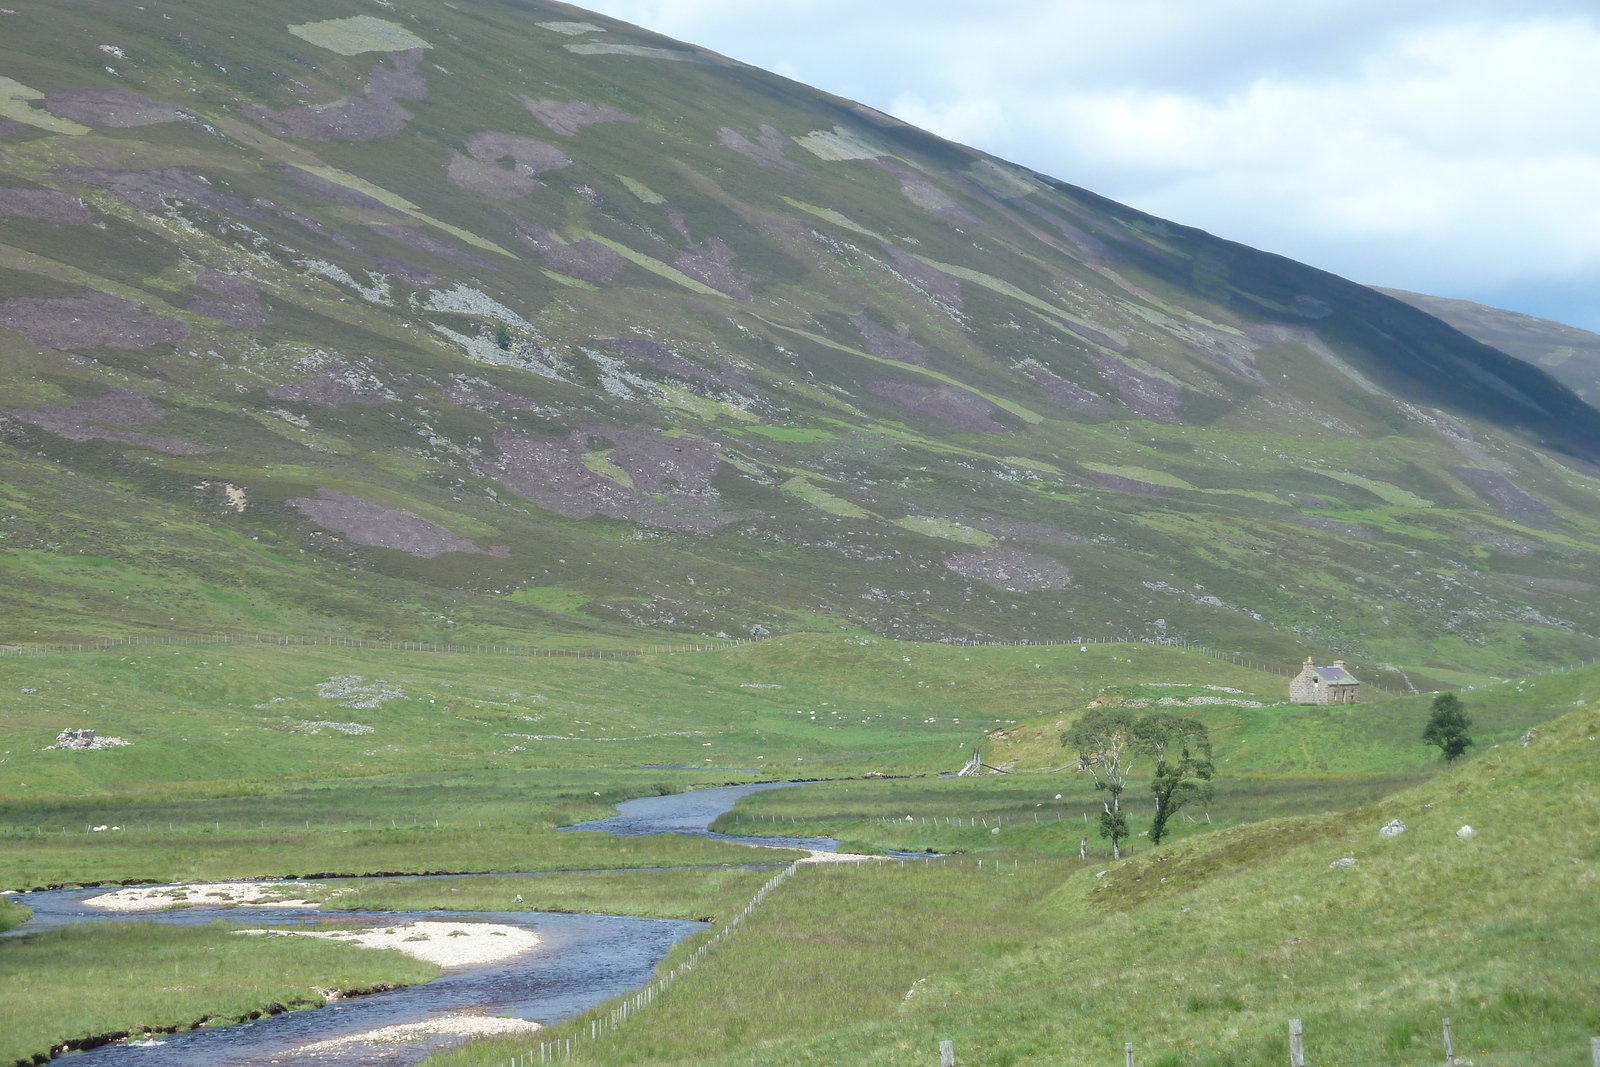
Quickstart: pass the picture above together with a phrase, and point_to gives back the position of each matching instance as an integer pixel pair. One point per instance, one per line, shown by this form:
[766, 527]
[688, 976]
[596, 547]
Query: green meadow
[84, 982]
[249, 761]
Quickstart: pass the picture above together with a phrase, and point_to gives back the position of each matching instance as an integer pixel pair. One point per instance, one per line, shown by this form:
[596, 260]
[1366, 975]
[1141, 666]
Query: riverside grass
[696, 893]
[1197, 952]
[81, 981]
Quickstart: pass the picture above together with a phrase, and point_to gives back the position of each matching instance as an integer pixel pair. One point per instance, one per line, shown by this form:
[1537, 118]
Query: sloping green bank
[1198, 953]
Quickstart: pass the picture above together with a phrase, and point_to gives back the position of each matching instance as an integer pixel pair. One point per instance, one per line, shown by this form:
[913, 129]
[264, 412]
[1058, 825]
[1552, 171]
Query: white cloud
[1439, 145]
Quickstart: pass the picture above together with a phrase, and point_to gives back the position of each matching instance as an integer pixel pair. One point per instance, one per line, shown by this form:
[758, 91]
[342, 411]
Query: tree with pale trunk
[1106, 741]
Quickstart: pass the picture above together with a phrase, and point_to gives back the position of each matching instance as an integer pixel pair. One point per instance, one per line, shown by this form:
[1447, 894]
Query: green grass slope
[446, 324]
[1196, 953]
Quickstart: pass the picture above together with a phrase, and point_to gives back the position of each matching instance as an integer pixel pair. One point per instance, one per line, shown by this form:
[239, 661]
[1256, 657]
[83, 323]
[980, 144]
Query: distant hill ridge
[481, 323]
[1569, 355]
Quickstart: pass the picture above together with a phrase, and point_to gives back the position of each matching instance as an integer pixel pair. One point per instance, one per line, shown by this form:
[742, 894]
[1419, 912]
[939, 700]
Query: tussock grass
[84, 981]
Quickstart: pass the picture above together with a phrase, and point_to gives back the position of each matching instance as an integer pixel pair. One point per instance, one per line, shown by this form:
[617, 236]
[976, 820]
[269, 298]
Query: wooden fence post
[1594, 1050]
[1297, 1044]
[947, 1054]
[1128, 1049]
[1449, 1046]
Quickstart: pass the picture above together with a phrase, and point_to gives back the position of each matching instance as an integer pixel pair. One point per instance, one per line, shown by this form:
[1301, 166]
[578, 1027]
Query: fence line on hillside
[380, 645]
[1238, 659]
[1132, 1053]
[1454, 1047]
[646, 996]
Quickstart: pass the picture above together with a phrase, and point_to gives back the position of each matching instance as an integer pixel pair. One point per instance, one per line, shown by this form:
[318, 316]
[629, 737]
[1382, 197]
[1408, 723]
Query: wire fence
[612, 1021]
[1299, 1048]
[374, 644]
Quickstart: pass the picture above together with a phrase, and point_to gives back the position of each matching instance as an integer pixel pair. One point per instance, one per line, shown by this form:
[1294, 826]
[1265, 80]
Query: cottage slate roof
[1336, 676]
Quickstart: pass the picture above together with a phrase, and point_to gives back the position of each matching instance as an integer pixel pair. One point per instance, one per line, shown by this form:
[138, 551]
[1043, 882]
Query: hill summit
[507, 318]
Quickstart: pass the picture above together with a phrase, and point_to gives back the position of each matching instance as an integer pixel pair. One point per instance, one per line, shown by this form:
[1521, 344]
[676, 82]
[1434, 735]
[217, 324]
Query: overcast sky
[1443, 146]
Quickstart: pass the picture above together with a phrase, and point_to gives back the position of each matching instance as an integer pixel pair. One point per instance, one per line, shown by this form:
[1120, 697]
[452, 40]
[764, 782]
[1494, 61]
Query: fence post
[1297, 1044]
[1128, 1049]
[1449, 1046]
[1594, 1050]
[947, 1054]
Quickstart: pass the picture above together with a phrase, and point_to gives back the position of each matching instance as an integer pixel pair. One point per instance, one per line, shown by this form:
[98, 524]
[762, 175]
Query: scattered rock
[354, 691]
[1392, 828]
[353, 728]
[938, 286]
[85, 741]
[1347, 862]
[339, 383]
[1011, 569]
[1466, 833]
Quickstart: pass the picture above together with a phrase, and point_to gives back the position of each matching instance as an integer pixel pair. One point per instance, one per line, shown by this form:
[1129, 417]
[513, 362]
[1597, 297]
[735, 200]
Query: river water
[583, 960]
[692, 813]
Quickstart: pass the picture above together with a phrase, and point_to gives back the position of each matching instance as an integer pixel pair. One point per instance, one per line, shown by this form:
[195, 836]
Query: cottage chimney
[1339, 663]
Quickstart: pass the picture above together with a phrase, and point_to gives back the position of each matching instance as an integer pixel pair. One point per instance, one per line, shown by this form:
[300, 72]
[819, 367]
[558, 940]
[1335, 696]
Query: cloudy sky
[1443, 146]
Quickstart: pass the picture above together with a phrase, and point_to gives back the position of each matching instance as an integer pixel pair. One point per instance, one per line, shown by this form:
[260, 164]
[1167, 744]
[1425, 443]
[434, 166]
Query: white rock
[1348, 861]
[1466, 833]
[1392, 828]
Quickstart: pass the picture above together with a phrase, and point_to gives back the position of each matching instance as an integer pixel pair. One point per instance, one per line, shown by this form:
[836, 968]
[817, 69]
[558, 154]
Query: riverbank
[87, 984]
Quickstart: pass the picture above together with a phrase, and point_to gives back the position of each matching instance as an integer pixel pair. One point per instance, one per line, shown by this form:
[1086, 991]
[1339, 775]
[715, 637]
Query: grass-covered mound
[86, 983]
[1198, 952]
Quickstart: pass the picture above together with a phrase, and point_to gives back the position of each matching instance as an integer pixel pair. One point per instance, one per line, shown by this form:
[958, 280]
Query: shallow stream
[583, 960]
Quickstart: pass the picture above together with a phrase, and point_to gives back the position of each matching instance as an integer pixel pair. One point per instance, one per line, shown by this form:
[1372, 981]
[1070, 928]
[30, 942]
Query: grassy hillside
[1197, 952]
[446, 324]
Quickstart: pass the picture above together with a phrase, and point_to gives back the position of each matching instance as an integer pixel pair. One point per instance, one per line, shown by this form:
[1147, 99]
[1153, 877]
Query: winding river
[582, 960]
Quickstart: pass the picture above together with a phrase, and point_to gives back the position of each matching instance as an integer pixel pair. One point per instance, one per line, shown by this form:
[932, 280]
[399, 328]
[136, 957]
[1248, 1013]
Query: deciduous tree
[1106, 742]
[1447, 728]
[1181, 748]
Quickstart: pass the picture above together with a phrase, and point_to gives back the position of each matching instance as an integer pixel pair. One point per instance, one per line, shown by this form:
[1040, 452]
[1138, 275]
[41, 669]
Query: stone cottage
[1324, 685]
